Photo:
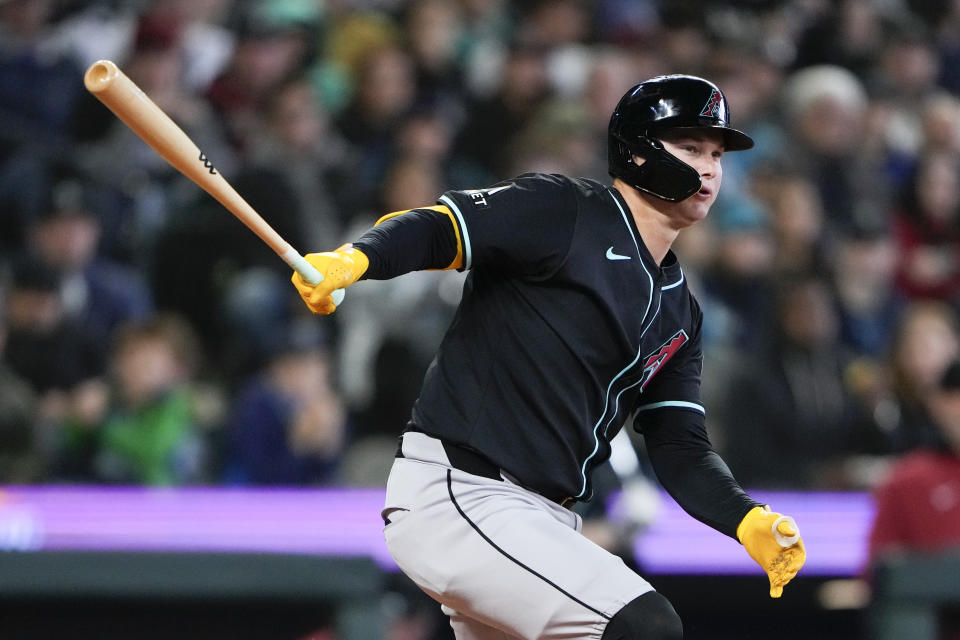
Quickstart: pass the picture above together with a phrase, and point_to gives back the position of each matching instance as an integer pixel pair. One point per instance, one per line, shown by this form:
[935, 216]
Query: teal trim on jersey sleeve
[677, 404]
[464, 234]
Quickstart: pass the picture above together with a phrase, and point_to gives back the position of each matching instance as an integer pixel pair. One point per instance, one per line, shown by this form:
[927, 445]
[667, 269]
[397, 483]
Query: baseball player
[575, 316]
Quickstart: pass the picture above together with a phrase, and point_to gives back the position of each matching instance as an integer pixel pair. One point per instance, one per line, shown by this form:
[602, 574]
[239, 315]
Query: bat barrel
[100, 75]
[111, 86]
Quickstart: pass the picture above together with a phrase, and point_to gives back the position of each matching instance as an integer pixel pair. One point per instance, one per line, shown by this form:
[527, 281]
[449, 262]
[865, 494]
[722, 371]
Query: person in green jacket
[144, 429]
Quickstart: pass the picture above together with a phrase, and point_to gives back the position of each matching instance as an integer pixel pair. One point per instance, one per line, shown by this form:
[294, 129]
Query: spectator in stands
[557, 140]
[798, 400]
[681, 37]
[97, 292]
[426, 134]
[275, 41]
[927, 230]
[849, 33]
[45, 347]
[926, 340]
[825, 108]
[206, 43]
[903, 79]
[433, 31]
[38, 84]
[384, 93]
[39, 87]
[495, 120]
[796, 224]
[863, 264]
[288, 425]
[145, 430]
[555, 23]
[940, 121]
[918, 504]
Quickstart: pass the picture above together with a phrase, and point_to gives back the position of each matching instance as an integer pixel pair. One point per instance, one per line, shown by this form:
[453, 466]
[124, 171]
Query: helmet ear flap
[662, 174]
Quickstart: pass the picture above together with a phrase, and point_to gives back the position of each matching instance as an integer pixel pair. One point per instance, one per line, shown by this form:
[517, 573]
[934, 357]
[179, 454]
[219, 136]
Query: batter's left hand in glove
[773, 540]
[339, 268]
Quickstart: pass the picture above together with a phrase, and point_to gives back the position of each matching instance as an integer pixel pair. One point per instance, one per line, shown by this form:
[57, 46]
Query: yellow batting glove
[773, 540]
[339, 269]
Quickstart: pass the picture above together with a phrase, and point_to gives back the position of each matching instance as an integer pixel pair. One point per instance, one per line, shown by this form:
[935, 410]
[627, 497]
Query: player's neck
[656, 228]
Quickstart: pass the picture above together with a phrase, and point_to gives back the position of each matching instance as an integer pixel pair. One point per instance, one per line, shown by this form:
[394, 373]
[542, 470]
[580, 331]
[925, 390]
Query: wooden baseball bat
[122, 96]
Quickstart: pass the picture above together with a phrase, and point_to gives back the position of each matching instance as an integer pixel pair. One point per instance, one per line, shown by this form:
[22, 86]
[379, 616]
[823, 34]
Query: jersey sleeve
[677, 385]
[408, 241]
[524, 225]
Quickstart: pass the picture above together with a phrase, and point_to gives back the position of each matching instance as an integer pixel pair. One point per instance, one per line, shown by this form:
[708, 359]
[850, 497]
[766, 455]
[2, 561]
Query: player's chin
[694, 212]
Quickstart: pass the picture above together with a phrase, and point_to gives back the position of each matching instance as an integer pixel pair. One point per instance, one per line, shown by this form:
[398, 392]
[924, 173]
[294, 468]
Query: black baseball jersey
[567, 326]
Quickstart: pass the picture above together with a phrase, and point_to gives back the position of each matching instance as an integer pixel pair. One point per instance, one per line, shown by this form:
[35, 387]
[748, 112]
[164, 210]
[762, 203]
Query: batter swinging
[575, 315]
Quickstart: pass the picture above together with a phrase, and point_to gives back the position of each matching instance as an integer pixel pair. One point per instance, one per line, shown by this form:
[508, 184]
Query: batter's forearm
[409, 241]
[701, 483]
[691, 471]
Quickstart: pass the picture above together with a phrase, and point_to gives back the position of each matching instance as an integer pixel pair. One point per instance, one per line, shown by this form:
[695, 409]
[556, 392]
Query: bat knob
[785, 531]
[337, 296]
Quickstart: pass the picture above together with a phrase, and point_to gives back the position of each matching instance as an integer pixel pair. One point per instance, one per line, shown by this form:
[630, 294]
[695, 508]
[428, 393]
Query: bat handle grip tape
[309, 273]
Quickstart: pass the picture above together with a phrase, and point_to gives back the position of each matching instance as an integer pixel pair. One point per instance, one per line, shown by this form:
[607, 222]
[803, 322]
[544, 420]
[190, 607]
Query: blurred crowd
[147, 337]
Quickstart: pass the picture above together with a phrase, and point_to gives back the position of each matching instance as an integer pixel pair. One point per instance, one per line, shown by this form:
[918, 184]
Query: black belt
[469, 461]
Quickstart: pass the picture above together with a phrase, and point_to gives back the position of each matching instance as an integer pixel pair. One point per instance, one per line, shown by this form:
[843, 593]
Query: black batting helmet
[658, 104]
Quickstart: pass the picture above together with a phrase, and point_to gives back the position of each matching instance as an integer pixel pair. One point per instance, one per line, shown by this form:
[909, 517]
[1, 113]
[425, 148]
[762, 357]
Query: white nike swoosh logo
[615, 256]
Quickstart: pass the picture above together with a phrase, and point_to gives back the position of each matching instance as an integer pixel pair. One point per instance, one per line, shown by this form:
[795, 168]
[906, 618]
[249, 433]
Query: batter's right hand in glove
[773, 540]
[339, 269]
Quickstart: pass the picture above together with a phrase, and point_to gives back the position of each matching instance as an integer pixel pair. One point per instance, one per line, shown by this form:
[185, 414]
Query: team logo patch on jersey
[658, 358]
[714, 106]
[480, 196]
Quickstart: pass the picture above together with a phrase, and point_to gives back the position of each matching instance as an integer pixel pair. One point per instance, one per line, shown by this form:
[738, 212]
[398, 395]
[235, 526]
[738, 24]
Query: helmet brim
[733, 139]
